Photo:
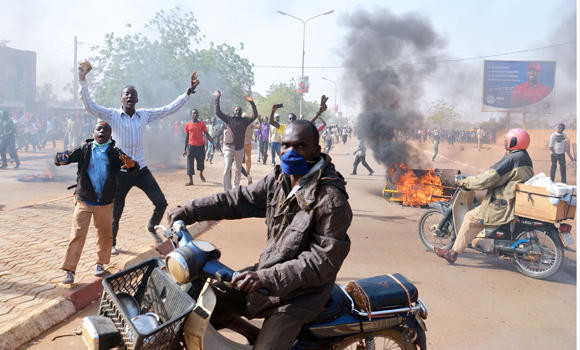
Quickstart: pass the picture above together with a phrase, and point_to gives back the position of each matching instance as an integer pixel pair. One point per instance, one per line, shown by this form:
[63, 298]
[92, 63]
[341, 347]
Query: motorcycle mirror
[178, 226]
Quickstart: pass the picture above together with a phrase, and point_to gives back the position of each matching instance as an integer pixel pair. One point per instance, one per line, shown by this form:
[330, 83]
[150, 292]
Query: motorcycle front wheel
[388, 339]
[544, 259]
[428, 231]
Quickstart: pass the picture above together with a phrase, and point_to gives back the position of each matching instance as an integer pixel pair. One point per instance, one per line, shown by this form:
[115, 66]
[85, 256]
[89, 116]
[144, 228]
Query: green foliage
[442, 113]
[160, 65]
[286, 94]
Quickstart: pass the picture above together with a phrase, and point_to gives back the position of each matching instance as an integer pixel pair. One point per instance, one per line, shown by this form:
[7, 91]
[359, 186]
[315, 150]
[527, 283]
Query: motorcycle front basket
[155, 292]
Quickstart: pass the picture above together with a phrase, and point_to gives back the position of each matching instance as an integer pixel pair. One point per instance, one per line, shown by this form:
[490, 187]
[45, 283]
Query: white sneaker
[99, 270]
[114, 251]
[69, 278]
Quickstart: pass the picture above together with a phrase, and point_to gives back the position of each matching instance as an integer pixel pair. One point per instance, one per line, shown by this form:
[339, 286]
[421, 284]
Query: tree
[286, 94]
[160, 64]
[442, 113]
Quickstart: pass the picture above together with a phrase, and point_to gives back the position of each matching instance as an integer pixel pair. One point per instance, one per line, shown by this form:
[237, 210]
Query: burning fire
[46, 176]
[413, 190]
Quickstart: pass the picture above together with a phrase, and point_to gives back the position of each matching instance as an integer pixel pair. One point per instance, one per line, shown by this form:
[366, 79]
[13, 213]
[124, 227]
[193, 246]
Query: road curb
[75, 299]
[57, 310]
[25, 329]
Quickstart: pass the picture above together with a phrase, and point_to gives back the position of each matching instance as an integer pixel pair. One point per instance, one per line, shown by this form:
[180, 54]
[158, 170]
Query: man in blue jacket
[99, 163]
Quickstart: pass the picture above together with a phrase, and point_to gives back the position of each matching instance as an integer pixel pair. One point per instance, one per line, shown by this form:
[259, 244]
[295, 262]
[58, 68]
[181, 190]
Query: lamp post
[303, 39]
[335, 94]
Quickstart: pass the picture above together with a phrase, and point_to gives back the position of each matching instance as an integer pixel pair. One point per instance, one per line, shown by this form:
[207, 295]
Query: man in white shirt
[479, 135]
[557, 146]
[128, 125]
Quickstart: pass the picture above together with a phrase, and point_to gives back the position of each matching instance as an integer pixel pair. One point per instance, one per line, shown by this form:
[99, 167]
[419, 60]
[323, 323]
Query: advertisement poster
[302, 84]
[518, 86]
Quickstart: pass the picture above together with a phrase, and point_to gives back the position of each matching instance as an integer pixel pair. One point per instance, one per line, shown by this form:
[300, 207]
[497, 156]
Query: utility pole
[303, 40]
[75, 75]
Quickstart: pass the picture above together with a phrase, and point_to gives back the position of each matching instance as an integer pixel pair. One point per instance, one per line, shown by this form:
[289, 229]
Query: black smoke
[386, 55]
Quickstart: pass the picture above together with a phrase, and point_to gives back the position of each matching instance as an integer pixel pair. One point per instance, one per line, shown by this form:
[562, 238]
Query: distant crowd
[452, 136]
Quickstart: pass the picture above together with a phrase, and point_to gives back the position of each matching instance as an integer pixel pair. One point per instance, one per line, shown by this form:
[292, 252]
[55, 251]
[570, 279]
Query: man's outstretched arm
[271, 120]
[322, 108]
[218, 111]
[237, 203]
[254, 109]
[158, 113]
[100, 112]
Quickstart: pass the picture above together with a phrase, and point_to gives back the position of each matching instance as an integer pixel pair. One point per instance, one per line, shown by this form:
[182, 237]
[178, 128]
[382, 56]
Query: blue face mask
[293, 163]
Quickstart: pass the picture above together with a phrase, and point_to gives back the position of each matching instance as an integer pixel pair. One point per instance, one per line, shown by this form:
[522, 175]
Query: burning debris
[419, 187]
[38, 177]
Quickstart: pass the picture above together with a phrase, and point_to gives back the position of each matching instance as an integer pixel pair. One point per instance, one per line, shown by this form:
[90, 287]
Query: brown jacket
[236, 127]
[307, 238]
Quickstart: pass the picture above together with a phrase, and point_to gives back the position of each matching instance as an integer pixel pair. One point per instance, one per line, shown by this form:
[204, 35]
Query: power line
[430, 62]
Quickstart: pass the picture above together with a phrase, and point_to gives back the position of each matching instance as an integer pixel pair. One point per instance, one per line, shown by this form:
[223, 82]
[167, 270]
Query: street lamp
[335, 94]
[303, 38]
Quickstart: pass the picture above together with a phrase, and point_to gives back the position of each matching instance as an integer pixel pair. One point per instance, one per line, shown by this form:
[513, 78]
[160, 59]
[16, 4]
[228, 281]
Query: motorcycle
[536, 247]
[395, 322]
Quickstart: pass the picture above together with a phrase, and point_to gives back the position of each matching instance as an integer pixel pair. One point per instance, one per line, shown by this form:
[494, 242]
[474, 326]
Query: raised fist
[323, 100]
[84, 68]
[194, 83]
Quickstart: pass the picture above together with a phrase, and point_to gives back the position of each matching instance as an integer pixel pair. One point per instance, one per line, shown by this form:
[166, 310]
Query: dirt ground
[479, 303]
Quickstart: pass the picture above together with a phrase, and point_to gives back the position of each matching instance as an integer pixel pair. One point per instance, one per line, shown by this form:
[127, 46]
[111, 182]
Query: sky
[470, 28]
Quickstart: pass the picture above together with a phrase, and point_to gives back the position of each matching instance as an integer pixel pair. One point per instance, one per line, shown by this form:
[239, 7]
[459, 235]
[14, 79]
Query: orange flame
[415, 191]
[46, 176]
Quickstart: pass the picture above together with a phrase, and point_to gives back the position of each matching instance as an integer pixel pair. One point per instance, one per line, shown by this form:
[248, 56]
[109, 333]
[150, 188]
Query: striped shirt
[128, 131]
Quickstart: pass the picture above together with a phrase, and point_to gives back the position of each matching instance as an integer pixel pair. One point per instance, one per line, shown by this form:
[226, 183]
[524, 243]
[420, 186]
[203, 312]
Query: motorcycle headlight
[182, 263]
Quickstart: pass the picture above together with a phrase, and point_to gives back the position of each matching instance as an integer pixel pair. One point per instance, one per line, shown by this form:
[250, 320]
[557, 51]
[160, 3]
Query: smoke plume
[379, 49]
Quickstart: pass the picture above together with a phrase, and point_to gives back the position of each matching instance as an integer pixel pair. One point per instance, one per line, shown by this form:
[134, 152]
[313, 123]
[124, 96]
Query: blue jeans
[263, 151]
[275, 148]
[210, 151]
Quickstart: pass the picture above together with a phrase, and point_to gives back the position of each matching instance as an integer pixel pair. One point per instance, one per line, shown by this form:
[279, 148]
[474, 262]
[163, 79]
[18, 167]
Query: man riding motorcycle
[305, 204]
[500, 182]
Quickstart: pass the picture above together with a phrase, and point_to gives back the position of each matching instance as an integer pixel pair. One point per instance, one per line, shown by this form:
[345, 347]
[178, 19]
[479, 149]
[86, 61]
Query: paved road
[479, 303]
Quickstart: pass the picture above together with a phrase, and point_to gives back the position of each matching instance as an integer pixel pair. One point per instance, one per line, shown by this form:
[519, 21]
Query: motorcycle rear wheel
[427, 226]
[548, 263]
[384, 340]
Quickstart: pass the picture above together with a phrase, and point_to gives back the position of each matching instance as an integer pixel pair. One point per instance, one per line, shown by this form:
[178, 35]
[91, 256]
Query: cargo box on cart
[534, 202]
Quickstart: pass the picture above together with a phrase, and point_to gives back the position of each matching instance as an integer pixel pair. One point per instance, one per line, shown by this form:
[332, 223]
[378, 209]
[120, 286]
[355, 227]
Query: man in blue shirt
[99, 163]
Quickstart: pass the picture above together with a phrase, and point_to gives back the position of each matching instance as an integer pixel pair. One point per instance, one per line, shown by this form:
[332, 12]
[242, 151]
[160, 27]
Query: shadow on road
[49, 206]
[566, 275]
[383, 218]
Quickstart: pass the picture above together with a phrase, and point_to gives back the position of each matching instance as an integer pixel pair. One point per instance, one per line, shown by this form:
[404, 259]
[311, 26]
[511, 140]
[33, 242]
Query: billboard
[302, 84]
[518, 86]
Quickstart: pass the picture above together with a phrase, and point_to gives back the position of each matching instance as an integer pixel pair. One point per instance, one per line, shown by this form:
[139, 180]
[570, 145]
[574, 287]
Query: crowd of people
[36, 132]
[451, 136]
[303, 200]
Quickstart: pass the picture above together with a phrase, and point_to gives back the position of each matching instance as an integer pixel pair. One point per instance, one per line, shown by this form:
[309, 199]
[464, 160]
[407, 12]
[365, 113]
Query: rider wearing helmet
[500, 182]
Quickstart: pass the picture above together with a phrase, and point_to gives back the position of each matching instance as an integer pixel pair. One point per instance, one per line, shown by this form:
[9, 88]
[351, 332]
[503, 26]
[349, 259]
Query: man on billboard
[531, 91]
